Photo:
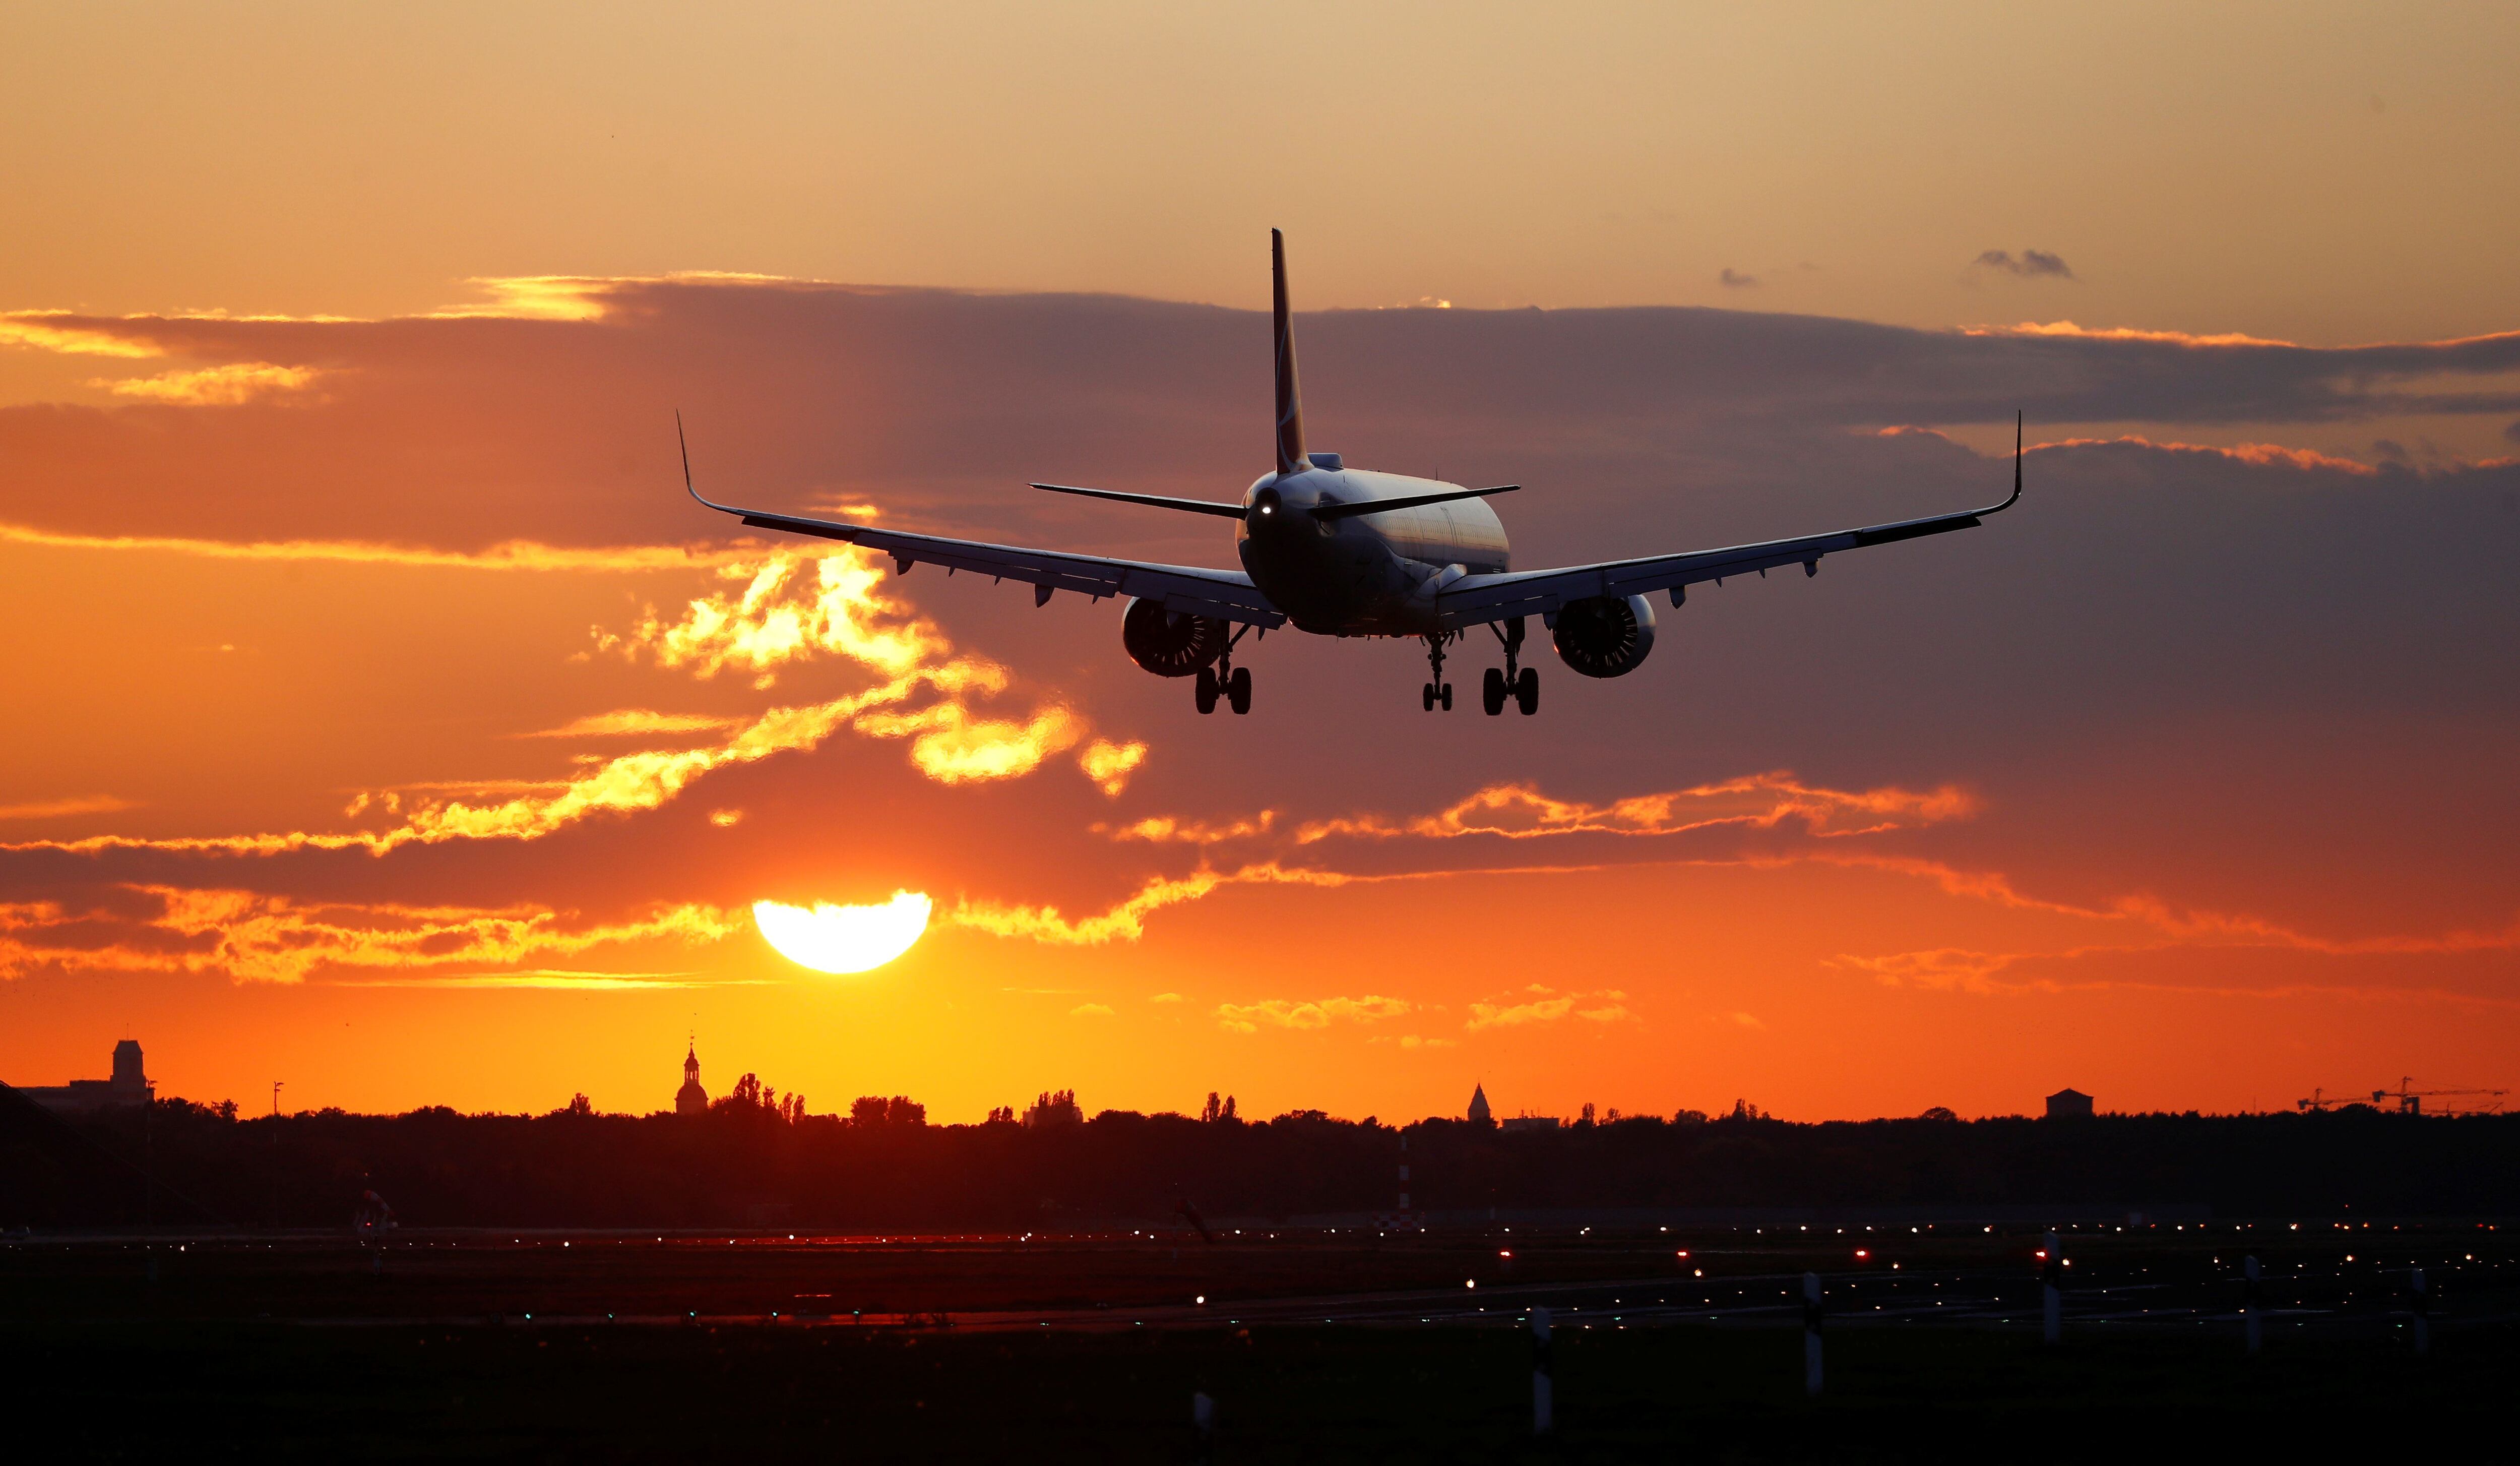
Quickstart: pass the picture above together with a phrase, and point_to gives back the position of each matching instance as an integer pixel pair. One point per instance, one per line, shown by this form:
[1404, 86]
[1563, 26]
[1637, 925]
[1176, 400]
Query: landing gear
[1437, 691]
[1226, 680]
[1522, 684]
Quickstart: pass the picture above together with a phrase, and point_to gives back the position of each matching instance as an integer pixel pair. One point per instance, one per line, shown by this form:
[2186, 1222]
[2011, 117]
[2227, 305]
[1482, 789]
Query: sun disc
[843, 938]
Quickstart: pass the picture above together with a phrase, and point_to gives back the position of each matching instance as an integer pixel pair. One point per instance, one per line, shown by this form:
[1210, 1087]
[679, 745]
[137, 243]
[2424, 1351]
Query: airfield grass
[206, 1391]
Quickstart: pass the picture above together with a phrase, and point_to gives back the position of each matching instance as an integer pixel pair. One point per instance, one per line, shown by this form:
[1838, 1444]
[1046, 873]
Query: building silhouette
[1478, 1103]
[2069, 1104]
[690, 1099]
[129, 1087]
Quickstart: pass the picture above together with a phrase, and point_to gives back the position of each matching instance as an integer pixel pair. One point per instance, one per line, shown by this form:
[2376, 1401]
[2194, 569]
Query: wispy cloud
[512, 555]
[1539, 1003]
[1308, 1013]
[229, 385]
[101, 804]
[1733, 279]
[255, 937]
[2029, 264]
[52, 331]
[635, 722]
[1520, 811]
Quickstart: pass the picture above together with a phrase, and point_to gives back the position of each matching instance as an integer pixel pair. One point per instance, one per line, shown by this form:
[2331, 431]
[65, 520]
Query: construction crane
[2410, 1101]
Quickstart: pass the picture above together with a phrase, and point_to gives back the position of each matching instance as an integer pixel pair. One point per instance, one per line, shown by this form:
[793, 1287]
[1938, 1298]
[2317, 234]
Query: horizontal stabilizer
[1158, 501]
[1380, 506]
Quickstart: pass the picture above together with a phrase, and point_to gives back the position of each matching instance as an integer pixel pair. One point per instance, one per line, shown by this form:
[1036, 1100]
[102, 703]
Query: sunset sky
[382, 719]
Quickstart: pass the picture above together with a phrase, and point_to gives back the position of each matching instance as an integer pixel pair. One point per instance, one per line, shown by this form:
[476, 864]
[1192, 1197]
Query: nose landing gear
[1522, 685]
[1226, 680]
[1437, 691]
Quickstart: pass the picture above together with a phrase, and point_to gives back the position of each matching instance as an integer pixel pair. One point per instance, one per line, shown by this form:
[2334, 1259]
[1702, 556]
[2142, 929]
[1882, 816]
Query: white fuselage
[1370, 575]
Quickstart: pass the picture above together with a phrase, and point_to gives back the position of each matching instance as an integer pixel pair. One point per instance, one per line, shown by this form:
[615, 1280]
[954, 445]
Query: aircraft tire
[1206, 689]
[1492, 690]
[1526, 691]
[1426, 697]
[1238, 690]
[1444, 697]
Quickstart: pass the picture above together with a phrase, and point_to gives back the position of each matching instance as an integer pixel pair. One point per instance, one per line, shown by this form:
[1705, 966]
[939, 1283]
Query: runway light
[1202, 1300]
[1472, 1283]
[1861, 1253]
[1505, 1253]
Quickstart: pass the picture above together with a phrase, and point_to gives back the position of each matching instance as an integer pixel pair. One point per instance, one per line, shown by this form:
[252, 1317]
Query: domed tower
[690, 1099]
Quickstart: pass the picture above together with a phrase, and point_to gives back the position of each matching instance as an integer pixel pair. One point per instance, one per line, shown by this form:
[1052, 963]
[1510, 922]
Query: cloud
[1413, 1040]
[1308, 1013]
[2261, 455]
[229, 385]
[1520, 811]
[1165, 997]
[1165, 829]
[37, 329]
[2067, 329]
[1090, 1010]
[1108, 765]
[635, 722]
[1732, 278]
[2029, 264]
[791, 605]
[2511, 430]
[512, 555]
[254, 937]
[1539, 1003]
[101, 804]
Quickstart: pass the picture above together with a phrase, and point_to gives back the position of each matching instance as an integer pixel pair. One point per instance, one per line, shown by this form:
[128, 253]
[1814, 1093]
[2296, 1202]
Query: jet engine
[1170, 644]
[1604, 637]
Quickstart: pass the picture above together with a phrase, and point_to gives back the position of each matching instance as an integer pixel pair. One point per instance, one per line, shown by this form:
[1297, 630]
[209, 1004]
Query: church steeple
[692, 1099]
[1478, 1103]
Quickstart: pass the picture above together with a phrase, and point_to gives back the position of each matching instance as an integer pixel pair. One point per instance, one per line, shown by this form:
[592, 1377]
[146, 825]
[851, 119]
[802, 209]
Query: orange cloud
[1164, 829]
[791, 605]
[1545, 1004]
[103, 804]
[1520, 811]
[1108, 765]
[2264, 455]
[2123, 332]
[1310, 1013]
[251, 937]
[38, 330]
[229, 385]
[635, 722]
[512, 555]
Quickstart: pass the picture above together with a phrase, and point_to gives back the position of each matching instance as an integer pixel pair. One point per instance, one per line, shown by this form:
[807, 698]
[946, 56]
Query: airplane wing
[1192, 590]
[1474, 600]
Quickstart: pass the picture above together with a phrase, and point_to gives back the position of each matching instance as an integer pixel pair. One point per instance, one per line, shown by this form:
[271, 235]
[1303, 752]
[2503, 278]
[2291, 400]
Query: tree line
[760, 1160]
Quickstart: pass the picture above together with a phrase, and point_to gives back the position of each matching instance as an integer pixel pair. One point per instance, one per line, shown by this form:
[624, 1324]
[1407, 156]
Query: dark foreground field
[1314, 1346]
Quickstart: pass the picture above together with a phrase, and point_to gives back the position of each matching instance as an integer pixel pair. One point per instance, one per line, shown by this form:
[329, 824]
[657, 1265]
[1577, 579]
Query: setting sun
[843, 938]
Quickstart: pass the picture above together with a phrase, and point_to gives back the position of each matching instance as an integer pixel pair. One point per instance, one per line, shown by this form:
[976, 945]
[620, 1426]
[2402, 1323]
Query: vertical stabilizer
[1291, 402]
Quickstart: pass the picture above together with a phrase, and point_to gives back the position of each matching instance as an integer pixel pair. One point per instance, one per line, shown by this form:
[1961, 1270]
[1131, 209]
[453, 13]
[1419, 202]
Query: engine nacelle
[1170, 644]
[1604, 637]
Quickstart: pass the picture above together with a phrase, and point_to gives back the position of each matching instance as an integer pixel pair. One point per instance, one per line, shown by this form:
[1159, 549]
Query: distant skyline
[386, 720]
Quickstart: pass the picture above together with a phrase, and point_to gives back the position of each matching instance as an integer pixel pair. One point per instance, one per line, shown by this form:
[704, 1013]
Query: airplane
[1339, 551]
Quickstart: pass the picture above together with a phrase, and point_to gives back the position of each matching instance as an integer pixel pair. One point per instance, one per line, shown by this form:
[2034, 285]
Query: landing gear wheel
[1428, 696]
[1491, 692]
[1444, 695]
[1238, 690]
[1526, 691]
[1206, 689]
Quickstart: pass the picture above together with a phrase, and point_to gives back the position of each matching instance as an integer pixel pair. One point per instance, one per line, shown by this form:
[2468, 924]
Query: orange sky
[336, 637]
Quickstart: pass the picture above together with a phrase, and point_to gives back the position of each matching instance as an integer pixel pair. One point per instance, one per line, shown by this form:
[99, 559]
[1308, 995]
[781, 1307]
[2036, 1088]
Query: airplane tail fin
[1290, 403]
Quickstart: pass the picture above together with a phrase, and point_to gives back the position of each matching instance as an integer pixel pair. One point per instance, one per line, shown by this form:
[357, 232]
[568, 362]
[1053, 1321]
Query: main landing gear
[1438, 690]
[1226, 680]
[1522, 685]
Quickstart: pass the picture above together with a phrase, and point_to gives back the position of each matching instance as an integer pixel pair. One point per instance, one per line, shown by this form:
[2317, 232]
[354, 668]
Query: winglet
[685, 444]
[2016, 461]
